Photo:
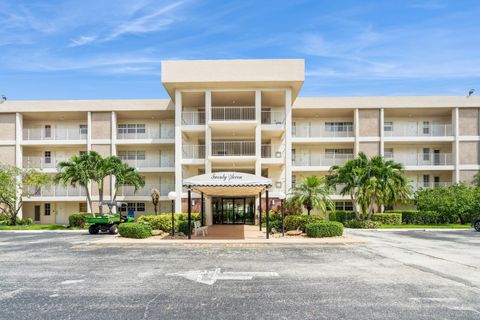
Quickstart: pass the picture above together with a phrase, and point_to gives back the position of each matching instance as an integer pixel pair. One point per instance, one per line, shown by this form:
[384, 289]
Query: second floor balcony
[428, 159]
[241, 113]
[233, 148]
[312, 130]
[193, 118]
[49, 133]
[322, 160]
[151, 162]
[59, 191]
[146, 191]
[164, 130]
[193, 151]
[414, 129]
[37, 162]
[428, 185]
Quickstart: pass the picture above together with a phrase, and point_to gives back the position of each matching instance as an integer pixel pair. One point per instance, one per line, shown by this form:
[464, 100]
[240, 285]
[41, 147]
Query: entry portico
[230, 196]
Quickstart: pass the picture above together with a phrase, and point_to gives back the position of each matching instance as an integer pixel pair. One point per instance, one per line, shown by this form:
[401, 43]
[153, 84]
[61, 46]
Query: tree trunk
[89, 200]
[155, 208]
[100, 197]
[308, 210]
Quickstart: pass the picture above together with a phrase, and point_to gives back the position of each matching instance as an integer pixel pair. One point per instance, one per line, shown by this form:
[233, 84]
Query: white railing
[167, 132]
[272, 150]
[418, 130]
[233, 113]
[193, 117]
[152, 162]
[60, 191]
[193, 151]
[129, 191]
[233, 148]
[428, 185]
[414, 159]
[273, 117]
[322, 160]
[54, 134]
[42, 162]
[319, 131]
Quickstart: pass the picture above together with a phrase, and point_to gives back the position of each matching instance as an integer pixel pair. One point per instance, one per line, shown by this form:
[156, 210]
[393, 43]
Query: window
[388, 153]
[426, 180]
[131, 128]
[338, 126]
[426, 154]
[141, 206]
[294, 155]
[131, 155]
[48, 131]
[82, 207]
[294, 181]
[48, 157]
[331, 153]
[388, 126]
[47, 209]
[133, 207]
[83, 129]
[436, 181]
[343, 206]
[426, 127]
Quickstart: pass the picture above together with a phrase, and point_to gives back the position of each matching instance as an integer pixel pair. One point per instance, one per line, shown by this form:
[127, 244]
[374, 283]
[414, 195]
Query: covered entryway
[232, 195]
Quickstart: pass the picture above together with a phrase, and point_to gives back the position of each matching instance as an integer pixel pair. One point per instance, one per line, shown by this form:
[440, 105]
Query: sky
[111, 49]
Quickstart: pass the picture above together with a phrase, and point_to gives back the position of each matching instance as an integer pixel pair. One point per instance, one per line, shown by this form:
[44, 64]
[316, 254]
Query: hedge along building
[241, 116]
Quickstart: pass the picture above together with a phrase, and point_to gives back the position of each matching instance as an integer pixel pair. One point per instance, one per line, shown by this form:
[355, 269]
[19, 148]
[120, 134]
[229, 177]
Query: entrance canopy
[228, 184]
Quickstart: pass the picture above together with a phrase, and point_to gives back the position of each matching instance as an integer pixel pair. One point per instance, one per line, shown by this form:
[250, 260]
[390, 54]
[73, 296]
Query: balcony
[151, 162]
[233, 148]
[233, 114]
[193, 118]
[435, 159]
[193, 151]
[428, 185]
[415, 130]
[322, 160]
[60, 191]
[165, 131]
[322, 131]
[272, 151]
[146, 191]
[42, 162]
[43, 134]
[273, 117]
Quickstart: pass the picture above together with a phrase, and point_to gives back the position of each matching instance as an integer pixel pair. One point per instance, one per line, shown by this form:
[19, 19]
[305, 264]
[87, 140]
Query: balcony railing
[272, 151]
[320, 131]
[322, 160]
[273, 117]
[432, 130]
[151, 162]
[54, 134]
[435, 159]
[233, 113]
[193, 118]
[148, 133]
[193, 151]
[42, 162]
[60, 191]
[233, 148]
[128, 191]
[428, 185]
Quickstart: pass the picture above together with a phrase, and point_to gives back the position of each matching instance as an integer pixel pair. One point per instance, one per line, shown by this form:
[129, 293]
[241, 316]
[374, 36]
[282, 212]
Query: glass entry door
[233, 210]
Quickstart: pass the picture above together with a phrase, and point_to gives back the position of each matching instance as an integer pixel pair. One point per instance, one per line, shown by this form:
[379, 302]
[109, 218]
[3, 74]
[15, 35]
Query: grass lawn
[36, 227]
[426, 226]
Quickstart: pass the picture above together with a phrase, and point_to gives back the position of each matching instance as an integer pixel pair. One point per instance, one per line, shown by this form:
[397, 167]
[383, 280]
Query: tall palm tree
[124, 175]
[313, 193]
[76, 172]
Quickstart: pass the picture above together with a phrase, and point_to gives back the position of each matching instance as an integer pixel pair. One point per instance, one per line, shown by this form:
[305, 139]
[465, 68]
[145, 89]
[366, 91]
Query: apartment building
[242, 116]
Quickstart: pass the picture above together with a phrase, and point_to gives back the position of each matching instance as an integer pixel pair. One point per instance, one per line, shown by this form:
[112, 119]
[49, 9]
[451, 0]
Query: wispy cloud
[82, 40]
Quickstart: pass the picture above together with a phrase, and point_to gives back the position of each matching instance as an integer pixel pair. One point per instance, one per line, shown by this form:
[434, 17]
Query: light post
[173, 196]
[282, 196]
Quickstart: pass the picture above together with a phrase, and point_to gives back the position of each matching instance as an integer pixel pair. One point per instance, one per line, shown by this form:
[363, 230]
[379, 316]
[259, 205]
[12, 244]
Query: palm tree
[124, 175]
[155, 199]
[76, 171]
[313, 193]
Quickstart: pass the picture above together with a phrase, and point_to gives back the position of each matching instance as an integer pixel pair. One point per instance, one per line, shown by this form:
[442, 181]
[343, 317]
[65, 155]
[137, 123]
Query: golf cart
[476, 224]
[108, 222]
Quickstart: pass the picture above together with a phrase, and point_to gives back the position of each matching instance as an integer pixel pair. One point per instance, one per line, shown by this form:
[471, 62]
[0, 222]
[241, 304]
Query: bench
[197, 227]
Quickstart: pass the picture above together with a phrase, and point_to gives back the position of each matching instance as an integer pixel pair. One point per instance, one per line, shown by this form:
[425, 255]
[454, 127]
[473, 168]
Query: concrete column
[208, 211]
[89, 131]
[178, 150]
[382, 133]
[456, 145]
[258, 132]
[208, 131]
[19, 153]
[356, 127]
[113, 150]
[288, 140]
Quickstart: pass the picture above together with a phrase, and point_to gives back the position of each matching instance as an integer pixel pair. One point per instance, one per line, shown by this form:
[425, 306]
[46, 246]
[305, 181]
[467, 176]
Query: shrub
[300, 221]
[387, 218]
[164, 221]
[342, 216]
[324, 229]
[24, 221]
[135, 230]
[418, 217]
[78, 220]
[277, 224]
[362, 224]
[272, 215]
[4, 219]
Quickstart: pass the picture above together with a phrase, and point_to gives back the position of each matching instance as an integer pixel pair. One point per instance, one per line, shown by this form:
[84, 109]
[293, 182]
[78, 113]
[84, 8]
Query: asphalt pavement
[395, 275]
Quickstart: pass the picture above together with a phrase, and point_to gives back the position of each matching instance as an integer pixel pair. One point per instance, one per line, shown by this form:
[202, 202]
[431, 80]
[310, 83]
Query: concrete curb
[45, 231]
[411, 229]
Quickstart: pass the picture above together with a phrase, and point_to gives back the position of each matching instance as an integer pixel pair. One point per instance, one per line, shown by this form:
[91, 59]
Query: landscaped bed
[38, 227]
[425, 226]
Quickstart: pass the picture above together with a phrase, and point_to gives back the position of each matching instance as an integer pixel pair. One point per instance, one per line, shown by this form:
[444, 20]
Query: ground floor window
[343, 205]
[47, 208]
[82, 207]
[132, 207]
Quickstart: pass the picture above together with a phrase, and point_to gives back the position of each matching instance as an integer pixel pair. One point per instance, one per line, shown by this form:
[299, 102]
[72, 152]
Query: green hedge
[164, 221]
[418, 217]
[387, 218]
[135, 230]
[78, 220]
[362, 224]
[5, 219]
[324, 229]
[272, 215]
[300, 221]
[341, 216]
[277, 224]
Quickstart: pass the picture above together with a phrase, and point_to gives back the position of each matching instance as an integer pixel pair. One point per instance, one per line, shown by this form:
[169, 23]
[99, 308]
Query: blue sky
[112, 49]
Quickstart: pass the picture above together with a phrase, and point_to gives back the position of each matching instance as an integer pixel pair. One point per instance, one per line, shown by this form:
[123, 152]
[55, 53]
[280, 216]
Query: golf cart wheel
[476, 225]
[113, 229]
[93, 229]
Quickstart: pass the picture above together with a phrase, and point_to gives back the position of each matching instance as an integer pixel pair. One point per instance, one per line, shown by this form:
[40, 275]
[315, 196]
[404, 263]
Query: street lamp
[282, 196]
[172, 196]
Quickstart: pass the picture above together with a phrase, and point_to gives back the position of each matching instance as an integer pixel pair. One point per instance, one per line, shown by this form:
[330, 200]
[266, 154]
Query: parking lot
[395, 275]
